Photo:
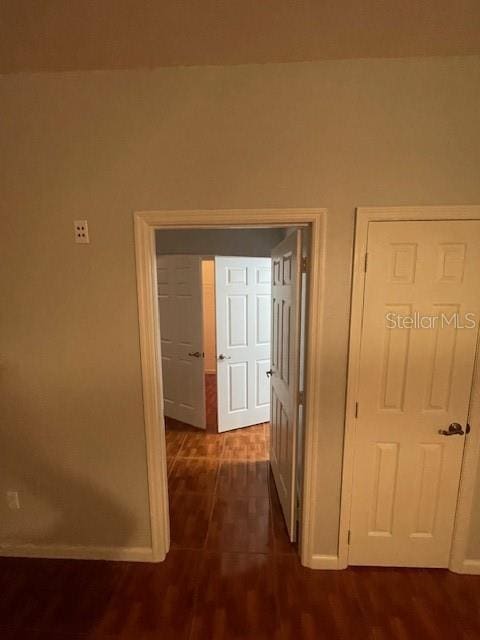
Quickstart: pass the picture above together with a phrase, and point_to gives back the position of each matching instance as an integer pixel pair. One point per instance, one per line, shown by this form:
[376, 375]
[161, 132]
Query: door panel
[243, 304]
[286, 309]
[262, 384]
[413, 382]
[238, 386]
[181, 328]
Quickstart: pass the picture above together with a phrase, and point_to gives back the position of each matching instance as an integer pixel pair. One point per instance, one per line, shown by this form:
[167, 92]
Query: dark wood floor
[207, 594]
[231, 572]
[211, 401]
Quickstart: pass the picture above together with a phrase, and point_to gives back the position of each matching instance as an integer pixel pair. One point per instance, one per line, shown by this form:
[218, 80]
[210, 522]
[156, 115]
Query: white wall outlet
[13, 500]
[81, 231]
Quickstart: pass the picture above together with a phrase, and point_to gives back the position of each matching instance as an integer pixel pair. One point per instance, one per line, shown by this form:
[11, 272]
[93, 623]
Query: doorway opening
[220, 373]
[146, 225]
[210, 342]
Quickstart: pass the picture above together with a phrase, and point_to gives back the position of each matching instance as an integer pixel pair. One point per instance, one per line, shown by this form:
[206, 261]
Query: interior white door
[413, 383]
[243, 308]
[286, 296]
[181, 331]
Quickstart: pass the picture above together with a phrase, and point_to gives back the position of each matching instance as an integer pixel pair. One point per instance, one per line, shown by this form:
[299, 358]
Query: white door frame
[145, 225]
[458, 560]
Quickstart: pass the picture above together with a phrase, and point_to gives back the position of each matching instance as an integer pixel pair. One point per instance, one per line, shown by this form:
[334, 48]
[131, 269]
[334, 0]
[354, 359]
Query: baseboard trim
[325, 562]
[470, 567]
[130, 554]
[467, 567]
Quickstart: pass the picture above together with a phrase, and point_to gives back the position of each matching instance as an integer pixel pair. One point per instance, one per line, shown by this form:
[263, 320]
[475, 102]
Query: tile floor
[222, 495]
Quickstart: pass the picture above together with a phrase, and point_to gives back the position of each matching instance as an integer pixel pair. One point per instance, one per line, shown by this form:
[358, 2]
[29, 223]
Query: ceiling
[59, 35]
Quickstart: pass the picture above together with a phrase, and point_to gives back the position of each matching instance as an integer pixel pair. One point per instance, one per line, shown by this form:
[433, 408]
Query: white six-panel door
[286, 309]
[413, 383]
[181, 330]
[243, 308]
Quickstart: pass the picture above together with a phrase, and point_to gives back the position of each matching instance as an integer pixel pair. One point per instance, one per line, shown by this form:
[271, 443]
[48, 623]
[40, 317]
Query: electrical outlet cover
[81, 231]
[13, 500]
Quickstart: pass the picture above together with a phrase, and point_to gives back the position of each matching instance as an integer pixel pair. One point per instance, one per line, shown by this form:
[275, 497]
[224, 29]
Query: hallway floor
[222, 497]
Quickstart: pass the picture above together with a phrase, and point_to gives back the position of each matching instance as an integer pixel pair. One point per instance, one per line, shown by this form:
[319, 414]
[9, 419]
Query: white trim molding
[327, 563]
[145, 225]
[77, 552]
[469, 567]
[468, 483]
[465, 505]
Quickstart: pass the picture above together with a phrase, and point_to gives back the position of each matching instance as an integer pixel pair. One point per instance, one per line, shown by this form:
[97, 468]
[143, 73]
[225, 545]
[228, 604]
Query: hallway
[222, 496]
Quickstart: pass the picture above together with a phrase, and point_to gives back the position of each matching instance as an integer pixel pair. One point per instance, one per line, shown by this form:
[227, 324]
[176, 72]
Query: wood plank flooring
[231, 573]
[222, 497]
[202, 594]
[211, 401]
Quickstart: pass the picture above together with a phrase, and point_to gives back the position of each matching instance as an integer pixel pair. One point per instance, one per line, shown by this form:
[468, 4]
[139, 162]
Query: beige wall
[102, 145]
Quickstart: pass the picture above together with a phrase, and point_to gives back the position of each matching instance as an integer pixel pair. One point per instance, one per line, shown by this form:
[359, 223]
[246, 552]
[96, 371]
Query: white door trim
[364, 215]
[145, 225]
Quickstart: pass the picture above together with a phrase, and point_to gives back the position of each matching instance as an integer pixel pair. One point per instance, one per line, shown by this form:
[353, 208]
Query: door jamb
[458, 561]
[145, 224]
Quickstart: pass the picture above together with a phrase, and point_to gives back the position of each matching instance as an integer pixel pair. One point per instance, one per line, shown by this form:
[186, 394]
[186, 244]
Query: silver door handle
[454, 429]
[222, 356]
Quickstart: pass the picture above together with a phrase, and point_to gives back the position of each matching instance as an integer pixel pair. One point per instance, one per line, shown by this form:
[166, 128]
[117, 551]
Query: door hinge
[366, 263]
[304, 264]
[356, 409]
[349, 537]
[301, 397]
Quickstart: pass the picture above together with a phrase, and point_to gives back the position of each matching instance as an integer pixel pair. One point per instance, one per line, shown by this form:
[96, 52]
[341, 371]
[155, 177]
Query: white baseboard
[470, 567]
[467, 567]
[131, 554]
[324, 562]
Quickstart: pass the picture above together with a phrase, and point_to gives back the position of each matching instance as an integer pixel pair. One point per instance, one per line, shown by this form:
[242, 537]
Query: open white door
[286, 305]
[181, 329]
[243, 307]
